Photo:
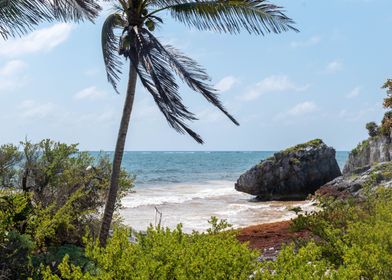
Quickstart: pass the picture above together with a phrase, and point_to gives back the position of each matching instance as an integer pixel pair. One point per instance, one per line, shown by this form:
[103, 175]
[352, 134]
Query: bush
[386, 123]
[15, 246]
[353, 241]
[67, 188]
[372, 128]
[166, 254]
[360, 147]
[388, 100]
[9, 157]
[50, 193]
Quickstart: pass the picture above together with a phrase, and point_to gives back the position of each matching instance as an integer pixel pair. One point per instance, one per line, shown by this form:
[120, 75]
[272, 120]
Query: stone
[373, 150]
[355, 183]
[291, 174]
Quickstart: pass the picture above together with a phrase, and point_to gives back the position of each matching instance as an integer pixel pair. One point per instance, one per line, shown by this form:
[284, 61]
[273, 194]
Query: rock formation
[354, 184]
[373, 150]
[291, 174]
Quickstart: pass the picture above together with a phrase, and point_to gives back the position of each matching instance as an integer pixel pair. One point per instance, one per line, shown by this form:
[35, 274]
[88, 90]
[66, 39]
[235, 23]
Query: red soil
[270, 237]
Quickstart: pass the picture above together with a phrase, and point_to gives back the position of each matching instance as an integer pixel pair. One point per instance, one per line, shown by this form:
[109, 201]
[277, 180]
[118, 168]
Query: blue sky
[323, 82]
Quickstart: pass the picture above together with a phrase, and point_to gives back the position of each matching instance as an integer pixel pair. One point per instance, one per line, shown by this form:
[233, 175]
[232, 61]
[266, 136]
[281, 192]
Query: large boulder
[291, 174]
[373, 150]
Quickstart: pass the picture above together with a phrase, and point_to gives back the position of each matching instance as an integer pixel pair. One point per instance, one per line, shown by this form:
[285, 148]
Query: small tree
[388, 100]
[386, 123]
[372, 128]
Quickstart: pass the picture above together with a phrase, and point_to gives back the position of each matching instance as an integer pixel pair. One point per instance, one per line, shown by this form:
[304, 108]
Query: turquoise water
[157, 168]
[190, 187]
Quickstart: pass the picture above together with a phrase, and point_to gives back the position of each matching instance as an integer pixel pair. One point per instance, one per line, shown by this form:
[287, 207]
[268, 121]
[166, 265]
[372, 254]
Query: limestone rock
[355, 183]
[373, 150]
[291, 174]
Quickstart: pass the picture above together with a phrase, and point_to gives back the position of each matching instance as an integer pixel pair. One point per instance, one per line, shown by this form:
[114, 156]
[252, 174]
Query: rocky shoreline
[368, 167]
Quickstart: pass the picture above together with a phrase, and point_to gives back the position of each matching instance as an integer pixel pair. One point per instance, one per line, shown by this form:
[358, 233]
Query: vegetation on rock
[388, 100]
[363, 145]
[310, 144]
[372, 128]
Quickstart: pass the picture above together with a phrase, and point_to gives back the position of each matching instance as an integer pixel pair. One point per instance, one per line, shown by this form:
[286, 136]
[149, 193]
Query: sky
[323, 82]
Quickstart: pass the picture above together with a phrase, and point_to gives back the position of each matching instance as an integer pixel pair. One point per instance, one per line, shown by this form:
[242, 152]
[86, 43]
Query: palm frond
[155, 75]
[229, 16]
[18, 17]
[110, 48]
[175, 122]
[191, 73]
[75, 9]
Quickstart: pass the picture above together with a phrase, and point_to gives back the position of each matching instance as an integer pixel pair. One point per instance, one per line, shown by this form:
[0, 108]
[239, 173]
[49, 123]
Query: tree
[17, 17]
[156, 65]
[372, 128]
[388, 100]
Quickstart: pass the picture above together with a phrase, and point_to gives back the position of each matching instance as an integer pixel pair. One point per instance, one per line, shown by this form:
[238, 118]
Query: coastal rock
[355, 183]
[373, 150]
[291, 174]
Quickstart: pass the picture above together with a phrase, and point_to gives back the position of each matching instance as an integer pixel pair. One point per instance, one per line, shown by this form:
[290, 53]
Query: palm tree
[17, 17]
[128, 33]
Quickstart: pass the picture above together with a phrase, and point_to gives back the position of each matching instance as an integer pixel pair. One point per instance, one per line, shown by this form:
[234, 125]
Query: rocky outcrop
[354, 184]
[373, 150]
[291, 174]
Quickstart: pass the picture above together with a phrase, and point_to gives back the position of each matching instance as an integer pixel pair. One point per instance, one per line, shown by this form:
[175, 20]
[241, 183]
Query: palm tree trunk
[118, 155]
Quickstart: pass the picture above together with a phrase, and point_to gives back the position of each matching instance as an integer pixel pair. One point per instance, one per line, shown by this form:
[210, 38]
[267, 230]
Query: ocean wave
[175, 194]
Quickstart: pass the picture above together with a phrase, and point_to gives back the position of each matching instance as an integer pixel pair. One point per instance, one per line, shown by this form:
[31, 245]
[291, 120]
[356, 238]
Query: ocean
[190, 187]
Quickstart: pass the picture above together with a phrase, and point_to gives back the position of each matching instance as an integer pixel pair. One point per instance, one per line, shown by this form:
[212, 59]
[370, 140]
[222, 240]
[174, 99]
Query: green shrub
[9, 158]
[360, 147]
[353, 237]
[372, 128]
[15, 246]
[67, 188]
[50, 193]
[166, 254]
[386, 123]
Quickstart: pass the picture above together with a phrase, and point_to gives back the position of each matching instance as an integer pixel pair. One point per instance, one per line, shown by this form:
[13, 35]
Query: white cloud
[11, 75]
[210, 115]
[91, 93]
[354, 93]
[105, 117]
[227, 83]
[32, 109]
[91, 72]
[334, 66]
[315, 40]
[146, 109]
[300, 109]
[12, 67]
[41, 40]
[272, 84]
[359, 115]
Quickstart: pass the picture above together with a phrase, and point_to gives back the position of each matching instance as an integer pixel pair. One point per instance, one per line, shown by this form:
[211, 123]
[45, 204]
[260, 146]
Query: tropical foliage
[50, 194]
[388, 100]
[165, 254]
[372, 128]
